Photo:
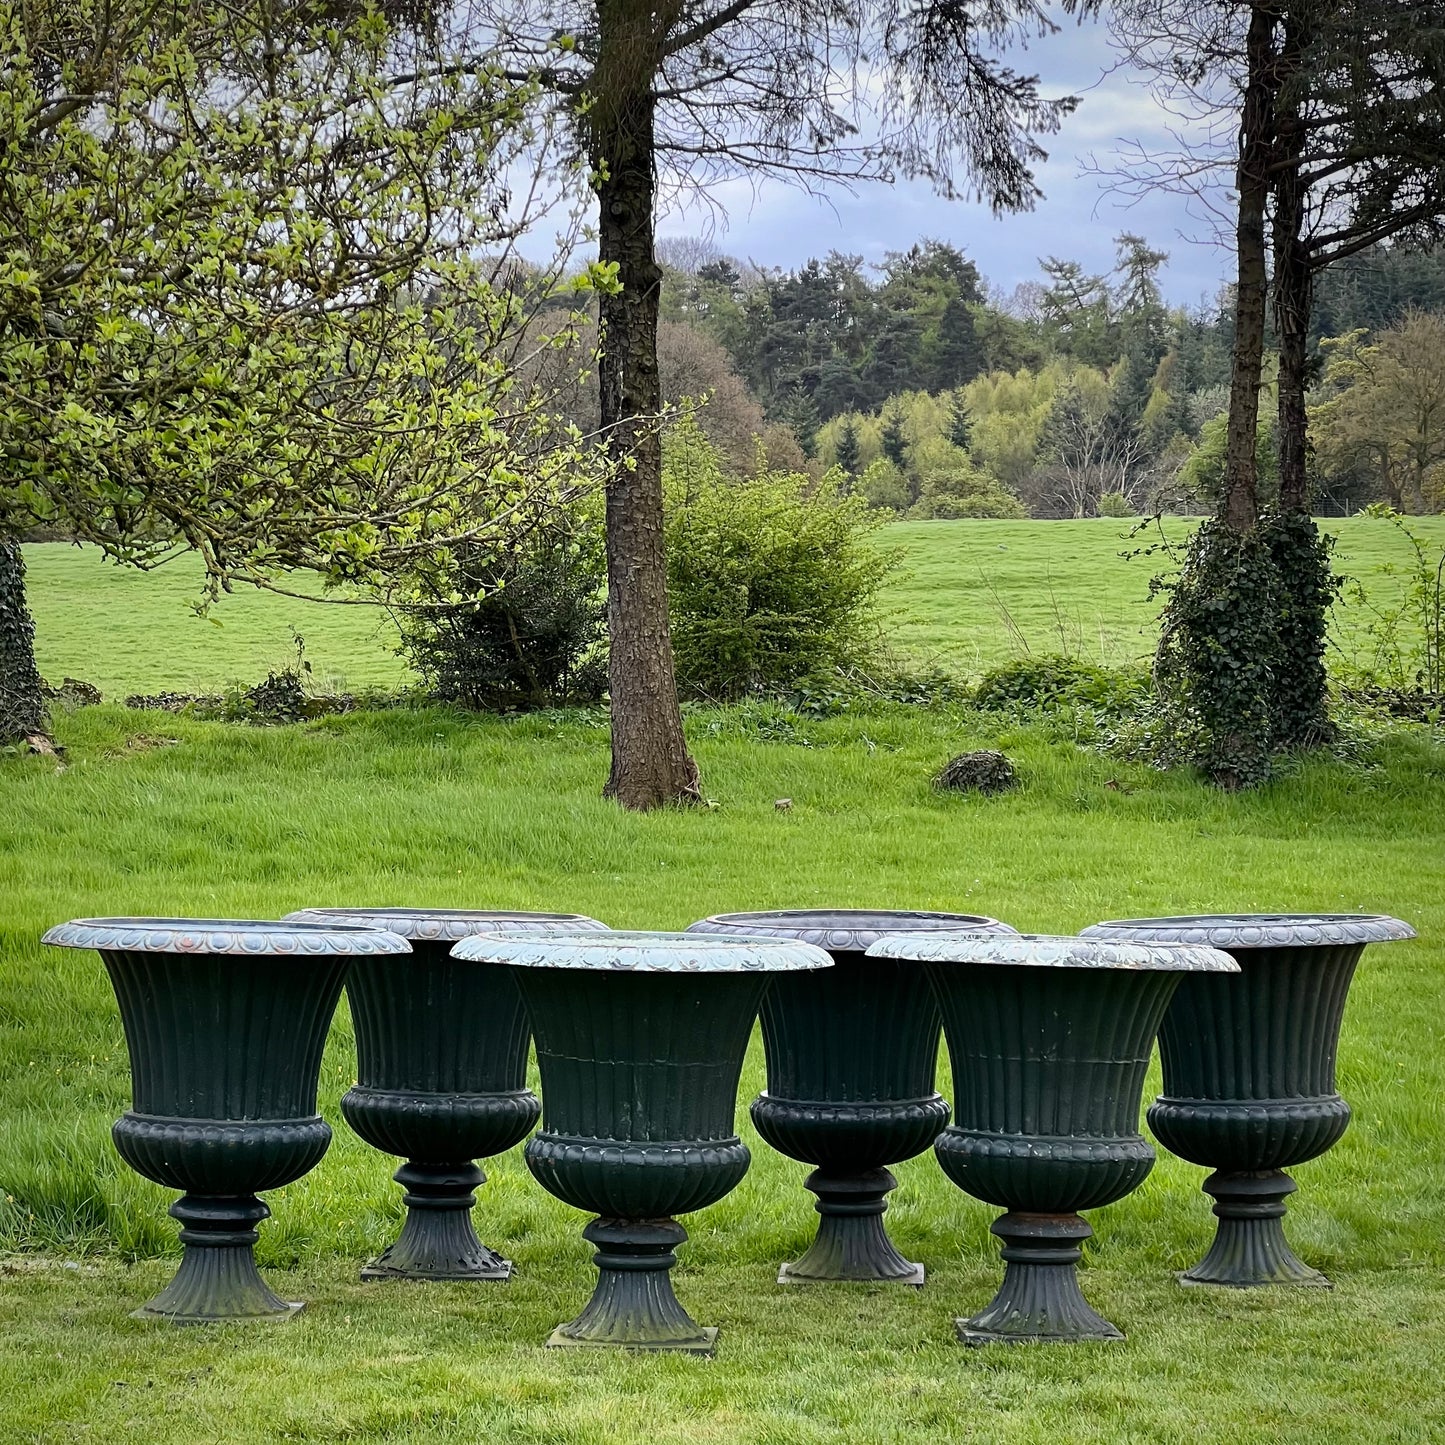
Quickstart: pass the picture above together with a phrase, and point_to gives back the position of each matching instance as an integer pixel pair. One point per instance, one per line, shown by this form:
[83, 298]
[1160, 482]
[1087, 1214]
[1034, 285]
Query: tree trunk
[22, 707]
[1240, 505]
[1293, 278]
[1304, 580]
[650, 761]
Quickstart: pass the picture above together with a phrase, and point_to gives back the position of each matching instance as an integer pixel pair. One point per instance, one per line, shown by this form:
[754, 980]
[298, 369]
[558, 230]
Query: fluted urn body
[1249, 1071]
[852, 1058]
[225, 1022]
[640, 1040]
[1049, 1039]
[441, 1055]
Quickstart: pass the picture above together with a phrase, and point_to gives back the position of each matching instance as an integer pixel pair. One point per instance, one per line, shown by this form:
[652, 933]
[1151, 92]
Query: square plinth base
[558, 1341]
[373, 1272]
[1320, 1281]
[914, 1278]
[976, 1338]
[157, 1317]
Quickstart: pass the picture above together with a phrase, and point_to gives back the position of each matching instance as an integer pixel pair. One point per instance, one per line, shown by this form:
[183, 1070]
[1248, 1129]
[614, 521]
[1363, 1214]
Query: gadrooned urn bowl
[441, 1051]
[1050, 1039]
[1249, 1070]
[852, 1056]
[640, 1040]
[225, 1021]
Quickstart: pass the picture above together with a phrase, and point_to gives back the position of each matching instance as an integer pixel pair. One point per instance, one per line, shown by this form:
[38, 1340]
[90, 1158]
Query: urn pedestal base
[437, 1241]
[852, 1243]
[1040, 1301]
[633, 1306]
[218, 1279]
[1249, 1249]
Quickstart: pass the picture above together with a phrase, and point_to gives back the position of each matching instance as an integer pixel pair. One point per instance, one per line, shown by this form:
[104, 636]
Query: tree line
[1076, 393]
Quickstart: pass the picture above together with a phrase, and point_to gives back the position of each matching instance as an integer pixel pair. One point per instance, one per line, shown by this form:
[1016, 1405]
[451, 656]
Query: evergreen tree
[847, 451]
[960, 423]
[895, 445]
[955, 355]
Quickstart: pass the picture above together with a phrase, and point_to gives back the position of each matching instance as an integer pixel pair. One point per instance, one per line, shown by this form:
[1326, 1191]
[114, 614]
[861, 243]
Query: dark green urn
[225, 1022]
[441, 1054]
[852, 1055]
[1050, 1039]
[640, 1040]
[1249, 1071]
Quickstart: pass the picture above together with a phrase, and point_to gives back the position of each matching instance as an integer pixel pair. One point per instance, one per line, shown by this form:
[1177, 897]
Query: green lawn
[976, 593]
[972, 595]
[127, 631]
[431, 808]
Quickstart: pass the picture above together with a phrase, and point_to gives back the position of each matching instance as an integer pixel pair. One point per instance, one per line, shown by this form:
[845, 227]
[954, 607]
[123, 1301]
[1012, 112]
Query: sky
[773, 224]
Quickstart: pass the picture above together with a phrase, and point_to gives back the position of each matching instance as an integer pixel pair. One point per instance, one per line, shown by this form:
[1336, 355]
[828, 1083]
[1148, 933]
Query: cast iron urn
[441, 1053]
[1049, 1039]
[1249, 1071]
[640, 1041]
[852, 1057]
[225, 1022]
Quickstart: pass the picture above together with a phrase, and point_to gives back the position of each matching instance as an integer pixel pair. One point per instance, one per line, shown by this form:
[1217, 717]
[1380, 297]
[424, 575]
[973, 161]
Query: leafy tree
[258, 300]
[1388, 414]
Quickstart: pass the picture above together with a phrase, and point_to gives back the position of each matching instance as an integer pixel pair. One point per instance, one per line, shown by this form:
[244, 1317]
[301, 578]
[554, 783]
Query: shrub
[532, 633]
[770, 580]
[884, 485]
[1115, 504]
[965, 491]
[1050, 681]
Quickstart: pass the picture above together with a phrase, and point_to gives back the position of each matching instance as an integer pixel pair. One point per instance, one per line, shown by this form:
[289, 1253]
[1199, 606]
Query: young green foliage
[770, 579]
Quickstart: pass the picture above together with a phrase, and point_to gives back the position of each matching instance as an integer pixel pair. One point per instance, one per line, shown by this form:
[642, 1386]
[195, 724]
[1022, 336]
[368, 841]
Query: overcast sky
[777, 225]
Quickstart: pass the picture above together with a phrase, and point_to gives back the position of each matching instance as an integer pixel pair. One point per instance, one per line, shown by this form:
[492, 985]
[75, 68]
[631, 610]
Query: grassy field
[972, 594]
[127, 631]
[156, 814]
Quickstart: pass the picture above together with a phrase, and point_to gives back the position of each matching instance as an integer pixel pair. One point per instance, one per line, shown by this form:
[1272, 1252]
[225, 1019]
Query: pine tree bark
[22, 705]
[650, 762]
[1240, 504]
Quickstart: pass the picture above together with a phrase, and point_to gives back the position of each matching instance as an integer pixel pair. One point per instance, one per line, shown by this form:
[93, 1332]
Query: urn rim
[448, 924]
[1043, 950]
[248, 937]
[1256, 930]
[643, 952]
[844, 930]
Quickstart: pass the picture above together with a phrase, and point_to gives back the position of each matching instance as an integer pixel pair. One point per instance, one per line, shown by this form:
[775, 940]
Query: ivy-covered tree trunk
[1305, 581]
[650, 761]
[1219, 642]
[22, 706]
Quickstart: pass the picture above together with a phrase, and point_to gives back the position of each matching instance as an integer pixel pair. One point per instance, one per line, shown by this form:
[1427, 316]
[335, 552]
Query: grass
[428, 807]
[126, 631]
[976, 593]
[1062, 586]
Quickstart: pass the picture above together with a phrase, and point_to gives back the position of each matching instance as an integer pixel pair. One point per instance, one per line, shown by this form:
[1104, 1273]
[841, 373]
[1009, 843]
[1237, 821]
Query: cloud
[775, 224]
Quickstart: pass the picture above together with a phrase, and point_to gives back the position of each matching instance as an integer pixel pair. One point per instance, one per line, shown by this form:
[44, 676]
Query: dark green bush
[770, 580]
[1055, 680]
[534, 634]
